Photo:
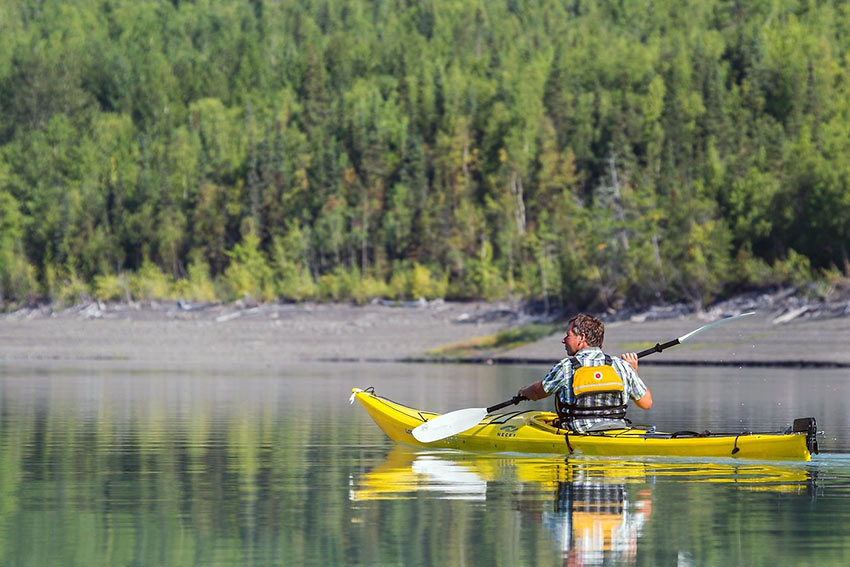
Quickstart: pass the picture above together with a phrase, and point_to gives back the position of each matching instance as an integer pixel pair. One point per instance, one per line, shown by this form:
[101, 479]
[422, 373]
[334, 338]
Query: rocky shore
[787, 330]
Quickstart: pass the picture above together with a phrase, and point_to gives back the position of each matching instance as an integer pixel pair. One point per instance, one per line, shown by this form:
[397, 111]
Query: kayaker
[593, 388]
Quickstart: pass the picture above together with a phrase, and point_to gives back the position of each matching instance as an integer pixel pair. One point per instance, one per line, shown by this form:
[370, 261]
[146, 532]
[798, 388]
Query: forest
[600, 154]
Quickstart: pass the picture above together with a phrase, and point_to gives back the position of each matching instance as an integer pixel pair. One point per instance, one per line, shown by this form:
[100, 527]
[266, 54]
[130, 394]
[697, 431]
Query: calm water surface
[105, 468]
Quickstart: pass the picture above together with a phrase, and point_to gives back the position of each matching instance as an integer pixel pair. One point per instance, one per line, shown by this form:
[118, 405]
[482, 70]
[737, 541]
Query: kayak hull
[532, 431]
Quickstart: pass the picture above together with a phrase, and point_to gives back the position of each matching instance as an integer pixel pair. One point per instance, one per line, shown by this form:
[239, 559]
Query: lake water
[111, 468]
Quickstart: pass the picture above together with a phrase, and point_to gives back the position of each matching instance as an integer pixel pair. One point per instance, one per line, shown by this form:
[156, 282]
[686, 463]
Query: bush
[17, 281]
[795, 269]
[17, 276]
[331, 286]
[64, 286]
[296, 284]
[751, 271]
[198, 286]
[110, 287]
[289, 262]
[249, 274]
[412, 281]
[149, 282]
[425, 284]
[368, 288]
[397, 286]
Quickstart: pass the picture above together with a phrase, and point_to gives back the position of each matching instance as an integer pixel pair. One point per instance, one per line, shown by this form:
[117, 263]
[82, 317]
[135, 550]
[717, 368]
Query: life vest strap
[572, 411]
[573, 407]
[609, 414]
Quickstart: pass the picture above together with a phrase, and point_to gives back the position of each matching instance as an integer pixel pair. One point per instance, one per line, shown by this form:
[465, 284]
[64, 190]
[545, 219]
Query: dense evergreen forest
[595, 153]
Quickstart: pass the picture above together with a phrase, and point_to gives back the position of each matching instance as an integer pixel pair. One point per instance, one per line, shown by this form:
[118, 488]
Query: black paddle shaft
[657, 348]
[513, 401]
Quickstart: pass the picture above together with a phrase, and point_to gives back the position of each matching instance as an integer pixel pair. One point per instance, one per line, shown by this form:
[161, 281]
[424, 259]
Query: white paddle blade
[683, 338]
[448, 424]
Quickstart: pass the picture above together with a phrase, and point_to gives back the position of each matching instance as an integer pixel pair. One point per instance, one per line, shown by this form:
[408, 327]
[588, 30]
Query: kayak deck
[534, 431]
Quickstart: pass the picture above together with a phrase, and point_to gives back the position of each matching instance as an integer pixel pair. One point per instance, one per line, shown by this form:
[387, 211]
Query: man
[593, 389]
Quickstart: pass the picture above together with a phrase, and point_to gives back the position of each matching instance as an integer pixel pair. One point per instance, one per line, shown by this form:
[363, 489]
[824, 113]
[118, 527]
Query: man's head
[583, 331]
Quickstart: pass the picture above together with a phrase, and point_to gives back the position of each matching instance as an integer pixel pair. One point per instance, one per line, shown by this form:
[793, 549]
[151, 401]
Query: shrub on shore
[110, 287]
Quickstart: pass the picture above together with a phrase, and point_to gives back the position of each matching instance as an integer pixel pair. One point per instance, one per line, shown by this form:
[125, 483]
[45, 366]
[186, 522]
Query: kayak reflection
[593, 509]
[406, 471]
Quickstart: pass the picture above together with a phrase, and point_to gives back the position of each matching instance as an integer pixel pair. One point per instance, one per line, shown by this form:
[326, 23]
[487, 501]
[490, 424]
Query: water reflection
[593, 510]
[135, 469]
[593, 519]
[405, 473]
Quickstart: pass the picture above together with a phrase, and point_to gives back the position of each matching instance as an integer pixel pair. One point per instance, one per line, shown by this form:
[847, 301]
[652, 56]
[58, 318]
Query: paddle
[458, 421]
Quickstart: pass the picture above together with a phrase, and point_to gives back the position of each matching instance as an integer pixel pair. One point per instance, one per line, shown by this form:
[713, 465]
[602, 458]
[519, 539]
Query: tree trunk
[519, 201]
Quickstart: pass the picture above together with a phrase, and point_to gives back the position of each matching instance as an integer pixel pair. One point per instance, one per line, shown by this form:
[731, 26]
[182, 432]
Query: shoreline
[509, 361]
[786, 332]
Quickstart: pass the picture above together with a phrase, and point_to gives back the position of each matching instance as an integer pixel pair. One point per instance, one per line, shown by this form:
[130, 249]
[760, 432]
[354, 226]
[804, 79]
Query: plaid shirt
[559, 379]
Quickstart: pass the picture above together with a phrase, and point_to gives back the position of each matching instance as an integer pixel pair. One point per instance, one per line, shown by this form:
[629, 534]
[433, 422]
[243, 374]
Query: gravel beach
[234, 338]
[266, 338]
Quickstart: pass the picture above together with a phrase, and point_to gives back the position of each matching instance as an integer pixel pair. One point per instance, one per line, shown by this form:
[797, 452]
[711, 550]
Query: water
[105, 468]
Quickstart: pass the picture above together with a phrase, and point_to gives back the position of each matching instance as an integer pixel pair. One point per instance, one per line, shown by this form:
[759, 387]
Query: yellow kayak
[534, 431]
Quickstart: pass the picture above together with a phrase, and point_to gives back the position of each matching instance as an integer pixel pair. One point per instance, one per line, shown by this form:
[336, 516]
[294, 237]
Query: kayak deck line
[535, 431]
[392, 405]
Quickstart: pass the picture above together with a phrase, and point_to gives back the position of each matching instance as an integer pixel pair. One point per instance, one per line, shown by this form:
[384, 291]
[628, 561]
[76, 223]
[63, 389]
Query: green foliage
[751, 271]
[501, 341]
[370, 287]
[423, 283]
[413, 281]
[483, 277]
[524, 334]
[17, 276]
[795, 269]
[249, 274]
[198, 285]
[594, 155]
[150, 282]
[290, 266]
[298, 285]
[344, 284]
[64, 286]
[109, 287]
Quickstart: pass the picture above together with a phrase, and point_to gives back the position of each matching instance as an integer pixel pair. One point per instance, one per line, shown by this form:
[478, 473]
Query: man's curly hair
[592, 328]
